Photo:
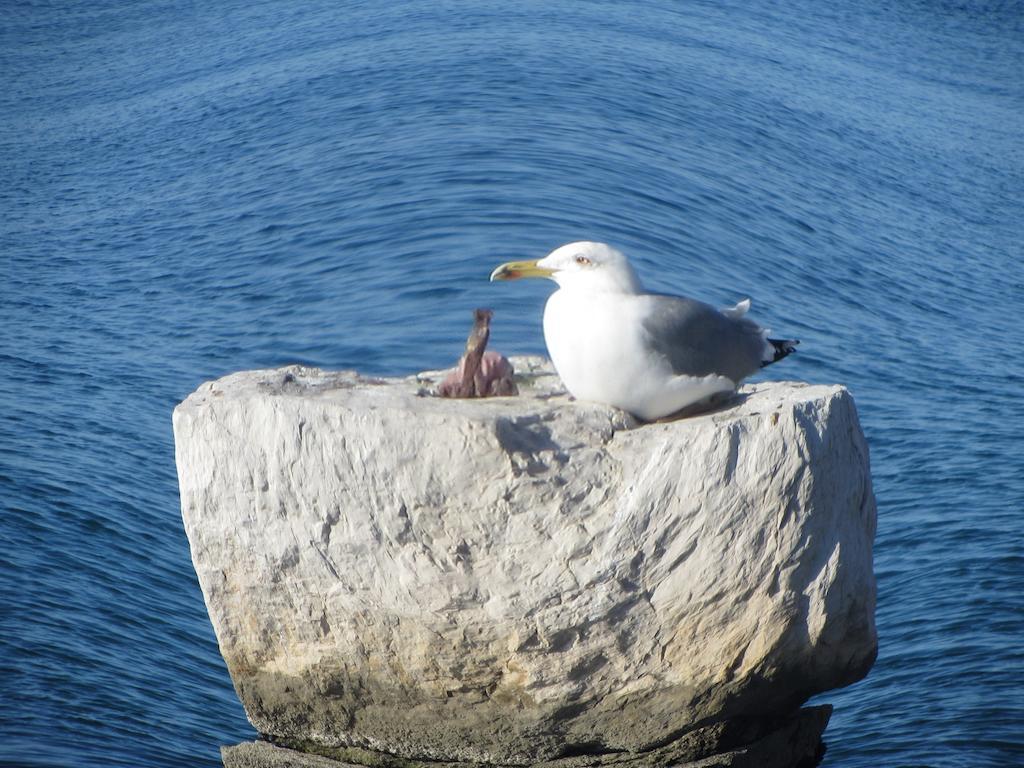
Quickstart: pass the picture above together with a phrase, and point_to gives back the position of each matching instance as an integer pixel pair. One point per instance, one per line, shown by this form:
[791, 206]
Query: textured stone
[515, 580]
[260, 754]
[795, 742]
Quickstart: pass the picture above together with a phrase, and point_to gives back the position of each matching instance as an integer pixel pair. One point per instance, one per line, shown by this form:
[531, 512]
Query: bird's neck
[623, 285]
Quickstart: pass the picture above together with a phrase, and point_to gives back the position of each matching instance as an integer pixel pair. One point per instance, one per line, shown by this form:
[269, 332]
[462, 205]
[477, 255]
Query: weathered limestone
[792, 742]
[517, 580]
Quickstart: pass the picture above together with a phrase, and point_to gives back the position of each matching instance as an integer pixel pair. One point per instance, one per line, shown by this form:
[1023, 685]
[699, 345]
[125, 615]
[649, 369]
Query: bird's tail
[778, 349]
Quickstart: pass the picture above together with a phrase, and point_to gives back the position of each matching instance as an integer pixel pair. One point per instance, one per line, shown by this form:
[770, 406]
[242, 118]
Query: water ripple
[241, 185]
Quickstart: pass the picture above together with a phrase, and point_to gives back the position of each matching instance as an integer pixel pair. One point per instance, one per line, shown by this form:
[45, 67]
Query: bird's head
[595, 267]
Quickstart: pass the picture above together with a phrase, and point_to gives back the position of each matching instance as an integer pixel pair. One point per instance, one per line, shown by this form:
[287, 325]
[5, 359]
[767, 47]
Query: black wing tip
[783, 347]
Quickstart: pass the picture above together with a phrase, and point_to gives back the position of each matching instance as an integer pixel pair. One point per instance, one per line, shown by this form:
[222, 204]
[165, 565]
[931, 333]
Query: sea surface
[191, 189]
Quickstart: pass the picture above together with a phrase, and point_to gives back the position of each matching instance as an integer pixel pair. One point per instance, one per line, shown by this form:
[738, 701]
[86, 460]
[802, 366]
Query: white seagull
[649, 354]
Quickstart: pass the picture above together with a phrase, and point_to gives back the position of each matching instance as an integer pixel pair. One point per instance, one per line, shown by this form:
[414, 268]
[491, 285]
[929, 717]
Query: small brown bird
[480, 373]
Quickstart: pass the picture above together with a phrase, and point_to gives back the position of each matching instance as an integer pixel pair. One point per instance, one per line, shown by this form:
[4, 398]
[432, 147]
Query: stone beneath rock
[795, 744]
[796, 741]
[260, 754]
[518, 580]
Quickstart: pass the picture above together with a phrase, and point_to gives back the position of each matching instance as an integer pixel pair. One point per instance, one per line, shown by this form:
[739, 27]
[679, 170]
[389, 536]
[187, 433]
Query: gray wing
[698, 340]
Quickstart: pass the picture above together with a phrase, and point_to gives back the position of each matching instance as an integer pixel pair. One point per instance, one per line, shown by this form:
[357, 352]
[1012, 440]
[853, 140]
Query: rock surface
[795, 742]
[525, 579]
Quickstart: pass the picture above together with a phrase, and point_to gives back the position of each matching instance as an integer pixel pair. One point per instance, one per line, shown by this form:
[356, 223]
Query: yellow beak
[513, 270]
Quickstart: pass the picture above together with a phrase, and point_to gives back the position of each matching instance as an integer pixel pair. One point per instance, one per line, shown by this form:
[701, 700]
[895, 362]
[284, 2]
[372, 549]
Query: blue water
[191, 189]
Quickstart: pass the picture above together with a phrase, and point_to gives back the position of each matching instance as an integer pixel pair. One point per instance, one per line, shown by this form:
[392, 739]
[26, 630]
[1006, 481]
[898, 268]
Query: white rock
[514, 579]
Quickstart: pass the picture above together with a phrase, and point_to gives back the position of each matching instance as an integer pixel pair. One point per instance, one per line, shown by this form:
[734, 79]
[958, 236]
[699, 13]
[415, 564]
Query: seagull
[649, 354]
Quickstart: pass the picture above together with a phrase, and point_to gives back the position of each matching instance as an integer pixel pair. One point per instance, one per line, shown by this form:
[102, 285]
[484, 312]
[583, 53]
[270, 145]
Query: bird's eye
[583, 261]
